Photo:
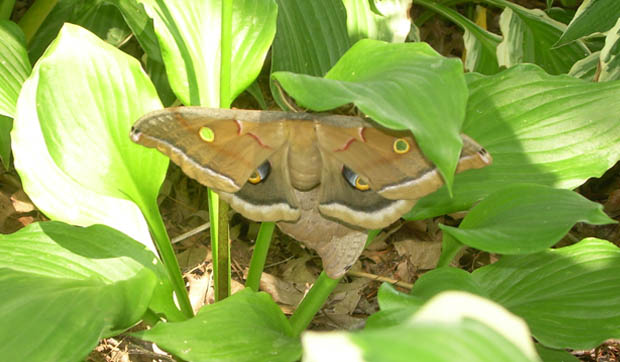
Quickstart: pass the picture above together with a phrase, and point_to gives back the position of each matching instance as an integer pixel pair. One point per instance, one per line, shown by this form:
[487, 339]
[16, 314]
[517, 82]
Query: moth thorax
[304, 164]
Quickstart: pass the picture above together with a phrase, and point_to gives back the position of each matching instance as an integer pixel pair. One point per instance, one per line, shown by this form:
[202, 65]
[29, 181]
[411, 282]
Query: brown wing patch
[238, 147]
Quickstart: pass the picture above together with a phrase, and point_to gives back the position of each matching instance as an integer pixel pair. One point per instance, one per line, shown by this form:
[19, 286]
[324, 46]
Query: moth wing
[391, 161]
[271, 199]
[363, 209]
[218, 148]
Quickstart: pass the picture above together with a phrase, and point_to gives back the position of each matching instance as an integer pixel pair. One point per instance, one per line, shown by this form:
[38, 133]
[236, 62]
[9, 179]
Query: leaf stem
[312, 302]
[226, 54]
[6, 8]
[223, 253]
[168, 258]
[34, 17]
[218, 210]
[214, 208]
[257, 264]
[317, 295]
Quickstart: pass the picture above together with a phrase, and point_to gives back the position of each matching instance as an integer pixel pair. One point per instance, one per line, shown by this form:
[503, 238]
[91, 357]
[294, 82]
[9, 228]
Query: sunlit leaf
[391, 23]
[246, 326]
[65, 287]
[14, 69]
[71, 144]
[189, 37]
[14, 66]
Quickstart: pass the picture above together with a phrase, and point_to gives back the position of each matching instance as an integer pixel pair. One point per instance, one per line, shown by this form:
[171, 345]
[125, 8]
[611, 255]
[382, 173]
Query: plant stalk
[257, 264]
[223, 253]
[317, 295]
[34, 17]
[226, 54]
[169, 259]
[218, 210]
[312, 302]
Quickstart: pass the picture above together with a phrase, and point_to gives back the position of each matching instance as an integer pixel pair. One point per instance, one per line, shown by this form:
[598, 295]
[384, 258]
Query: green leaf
[141, 25]
[480, 44]
[610, 55]
[549, 3]
[104, 20]
[554, 355]
[189, 37]
[586, 68]
[449, 249]
[157, 74]
[98, 16]
[569, 3]
[60, 13]
[390, 298]
[529, 36]
[481, 47]
[72, 149]
[550, 130]
[568, 296]
[246, 326]
[396, 307]
[6, 8]
[525, 218]
[562, 15]
[442, 279]
[591, 17]
[14, 69]
[382, 79]
[6, 124]
[477, 329]
[391, 23]
[14, 66]
[311, 36]
[65, 287]
[71, 144]
[255, 91]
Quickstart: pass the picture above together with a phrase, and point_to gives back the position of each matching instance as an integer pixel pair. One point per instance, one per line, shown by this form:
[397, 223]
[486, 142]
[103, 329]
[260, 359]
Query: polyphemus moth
[276, 166]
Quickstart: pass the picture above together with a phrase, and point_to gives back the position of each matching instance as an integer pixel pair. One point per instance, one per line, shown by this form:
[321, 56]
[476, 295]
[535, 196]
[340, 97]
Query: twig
[381, 279]
[279, 262]
[191, 233]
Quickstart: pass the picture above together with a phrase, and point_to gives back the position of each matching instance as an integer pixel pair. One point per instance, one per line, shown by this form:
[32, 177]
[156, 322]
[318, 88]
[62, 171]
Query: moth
[261, 162]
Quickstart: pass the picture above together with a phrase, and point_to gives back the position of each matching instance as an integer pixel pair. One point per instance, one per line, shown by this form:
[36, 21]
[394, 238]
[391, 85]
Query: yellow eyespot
[255, 177]
[401, 146]
[206, 134]
[361, 184]
[260, 174]
[356, 181]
